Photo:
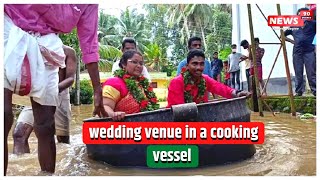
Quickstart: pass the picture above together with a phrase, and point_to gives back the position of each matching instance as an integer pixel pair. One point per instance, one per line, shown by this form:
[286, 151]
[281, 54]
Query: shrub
[282, 104]
[86, 93]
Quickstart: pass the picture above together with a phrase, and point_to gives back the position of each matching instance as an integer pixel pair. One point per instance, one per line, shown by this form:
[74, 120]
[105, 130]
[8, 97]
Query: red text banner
[285, 21]
[173, 133]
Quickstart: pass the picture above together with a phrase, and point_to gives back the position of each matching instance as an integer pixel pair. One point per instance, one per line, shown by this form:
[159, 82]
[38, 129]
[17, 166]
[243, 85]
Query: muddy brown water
[289, 149]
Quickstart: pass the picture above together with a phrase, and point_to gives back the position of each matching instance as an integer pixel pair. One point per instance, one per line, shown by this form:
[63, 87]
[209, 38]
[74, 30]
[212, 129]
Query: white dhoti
[62, 115]
[43, 79]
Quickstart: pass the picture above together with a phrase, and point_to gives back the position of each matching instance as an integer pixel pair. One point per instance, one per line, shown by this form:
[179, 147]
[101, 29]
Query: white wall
[261, 29]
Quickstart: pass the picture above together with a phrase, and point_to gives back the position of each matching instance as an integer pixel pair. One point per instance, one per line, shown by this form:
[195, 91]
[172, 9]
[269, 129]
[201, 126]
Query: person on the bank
[303, 55]
[226, 73]
[129, 44]
[216, 67]
[62, 115]
[31, 41]
[245, 44]
[259, 55]
[247, 64]
[234, 68]
[193, 86]
[128, 92]
[195, 43]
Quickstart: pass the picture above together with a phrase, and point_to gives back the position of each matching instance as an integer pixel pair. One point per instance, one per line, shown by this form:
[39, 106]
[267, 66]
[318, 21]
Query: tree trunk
[185, 23]
[203, 38]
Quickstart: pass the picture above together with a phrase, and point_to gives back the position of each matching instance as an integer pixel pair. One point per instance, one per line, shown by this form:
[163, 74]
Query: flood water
[289, 149]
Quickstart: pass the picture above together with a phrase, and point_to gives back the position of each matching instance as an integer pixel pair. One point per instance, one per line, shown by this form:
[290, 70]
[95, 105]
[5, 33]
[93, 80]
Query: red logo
[285, 21]
[306, 15]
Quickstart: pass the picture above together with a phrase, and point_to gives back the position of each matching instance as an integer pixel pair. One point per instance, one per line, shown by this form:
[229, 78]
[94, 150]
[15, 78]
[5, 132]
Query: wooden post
[77, 86]
[253, 51]
[283, 41]
[254, 95]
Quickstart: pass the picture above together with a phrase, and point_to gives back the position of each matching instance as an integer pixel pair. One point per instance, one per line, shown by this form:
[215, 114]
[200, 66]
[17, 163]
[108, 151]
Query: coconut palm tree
[131, 24]
[178, 17]
[108, 55]
[154, 57]
[107, 33]
[192, 18]
[199, 17]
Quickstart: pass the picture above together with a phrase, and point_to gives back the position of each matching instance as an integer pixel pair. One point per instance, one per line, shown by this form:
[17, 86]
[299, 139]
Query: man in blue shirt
[304, 55]
[216, 67]
[195, 43]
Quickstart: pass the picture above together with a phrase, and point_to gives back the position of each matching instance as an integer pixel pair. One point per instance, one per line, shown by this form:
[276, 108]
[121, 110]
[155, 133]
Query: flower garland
[188, 86]
[147, 102]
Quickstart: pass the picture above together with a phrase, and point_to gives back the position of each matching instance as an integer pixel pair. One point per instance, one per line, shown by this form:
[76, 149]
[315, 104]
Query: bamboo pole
[265, 103]
[253, 51]
[270, 43]
[272, 96]
[283, 41]
[274, 63]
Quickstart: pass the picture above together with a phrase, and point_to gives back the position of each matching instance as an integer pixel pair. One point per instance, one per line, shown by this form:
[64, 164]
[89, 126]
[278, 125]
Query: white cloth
[26, 116]
[44, 77]
[247, 61]
[62, 115]
[144, 73]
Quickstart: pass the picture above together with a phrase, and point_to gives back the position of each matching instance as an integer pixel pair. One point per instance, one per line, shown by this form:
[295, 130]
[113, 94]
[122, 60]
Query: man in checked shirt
[259, 54]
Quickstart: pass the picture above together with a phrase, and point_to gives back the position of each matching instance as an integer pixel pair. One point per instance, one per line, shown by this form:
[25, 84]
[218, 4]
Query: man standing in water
[31, 38]
[62, 115]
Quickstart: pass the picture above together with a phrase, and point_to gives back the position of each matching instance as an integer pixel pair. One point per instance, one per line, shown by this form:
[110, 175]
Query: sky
[116, 8]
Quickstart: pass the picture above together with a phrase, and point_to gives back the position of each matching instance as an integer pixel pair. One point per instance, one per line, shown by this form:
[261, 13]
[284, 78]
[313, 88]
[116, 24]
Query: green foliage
[179, 50]
[169, 69]
[107, 32]
[86, 93]
[108, 55]
[282, 104]
[166, 25]
[224, 53]
[219, 32]
[156, 23]
[154, 57]
[132, 24]
[222, 28]
[162, 99]
[210, 22]
[173, 74]
[71, 39]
